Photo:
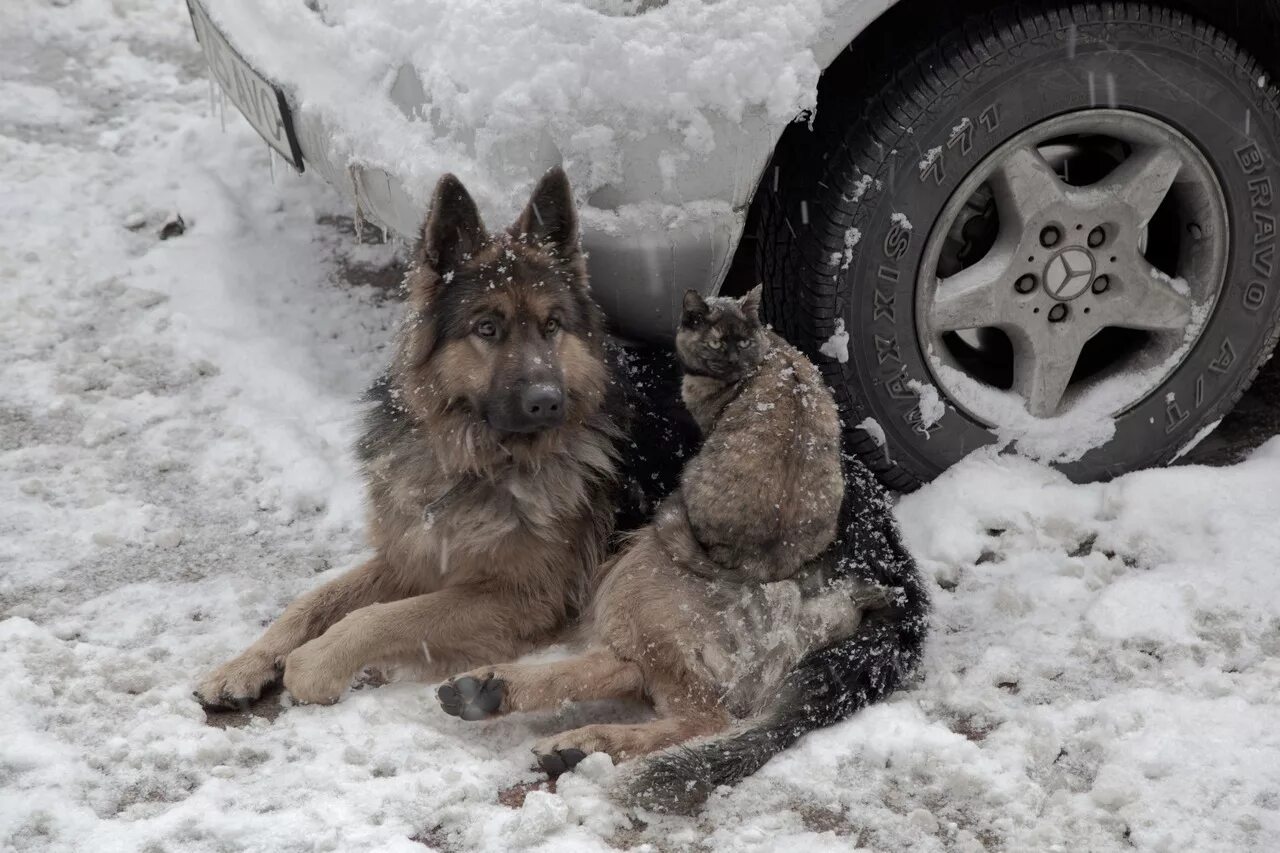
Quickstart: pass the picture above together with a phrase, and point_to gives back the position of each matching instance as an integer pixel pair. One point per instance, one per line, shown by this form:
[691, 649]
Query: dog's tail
[825, 686]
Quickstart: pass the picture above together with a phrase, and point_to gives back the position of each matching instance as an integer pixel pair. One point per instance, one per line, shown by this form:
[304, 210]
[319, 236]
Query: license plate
[261, 102]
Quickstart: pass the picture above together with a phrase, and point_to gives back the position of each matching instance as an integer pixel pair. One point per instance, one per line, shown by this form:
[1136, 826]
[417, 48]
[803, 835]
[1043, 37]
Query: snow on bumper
[663, 119]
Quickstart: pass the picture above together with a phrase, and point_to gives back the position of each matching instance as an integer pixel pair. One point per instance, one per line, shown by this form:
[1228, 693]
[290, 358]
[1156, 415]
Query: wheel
[1053, 229]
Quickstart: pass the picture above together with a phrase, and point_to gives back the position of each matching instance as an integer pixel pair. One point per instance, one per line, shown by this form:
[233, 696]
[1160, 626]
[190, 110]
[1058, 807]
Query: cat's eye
[714, 343]
[486, 329]
[746, 342]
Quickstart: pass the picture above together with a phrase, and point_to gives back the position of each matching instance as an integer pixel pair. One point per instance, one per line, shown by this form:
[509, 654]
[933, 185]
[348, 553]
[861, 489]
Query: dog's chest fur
[441, 528]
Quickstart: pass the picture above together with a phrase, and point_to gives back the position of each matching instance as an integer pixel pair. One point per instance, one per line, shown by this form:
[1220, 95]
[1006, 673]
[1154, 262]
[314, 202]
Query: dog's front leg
[472, 623]
[241, 680]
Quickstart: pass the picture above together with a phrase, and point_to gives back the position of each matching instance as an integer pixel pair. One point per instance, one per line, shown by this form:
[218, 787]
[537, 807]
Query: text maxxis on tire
[843, 236]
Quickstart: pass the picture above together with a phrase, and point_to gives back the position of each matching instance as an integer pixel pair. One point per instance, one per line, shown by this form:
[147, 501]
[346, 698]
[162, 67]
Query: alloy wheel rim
[1078, 289]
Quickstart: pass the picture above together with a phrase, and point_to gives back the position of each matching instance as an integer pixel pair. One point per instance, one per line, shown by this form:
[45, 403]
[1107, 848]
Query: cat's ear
[695, 310]
[751, 303]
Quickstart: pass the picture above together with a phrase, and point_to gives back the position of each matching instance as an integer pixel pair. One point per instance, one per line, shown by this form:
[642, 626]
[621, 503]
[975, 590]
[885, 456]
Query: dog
[491, 452]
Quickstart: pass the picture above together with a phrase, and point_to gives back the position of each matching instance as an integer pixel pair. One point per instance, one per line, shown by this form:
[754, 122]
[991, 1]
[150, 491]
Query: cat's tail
[824, 687]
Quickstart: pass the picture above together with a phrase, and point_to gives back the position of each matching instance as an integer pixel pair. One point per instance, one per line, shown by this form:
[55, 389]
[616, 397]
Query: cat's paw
[557, 760]
[473, 697]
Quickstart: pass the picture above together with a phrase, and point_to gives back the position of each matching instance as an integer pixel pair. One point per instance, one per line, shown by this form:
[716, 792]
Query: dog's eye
[552, 326]
[714, 343]
[486, 328]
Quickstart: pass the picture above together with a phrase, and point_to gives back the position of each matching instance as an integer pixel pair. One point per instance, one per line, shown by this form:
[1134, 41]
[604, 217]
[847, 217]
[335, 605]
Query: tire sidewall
[1175, 75]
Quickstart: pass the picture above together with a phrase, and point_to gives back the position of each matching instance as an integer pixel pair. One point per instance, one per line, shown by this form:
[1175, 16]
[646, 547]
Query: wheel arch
[859, 47]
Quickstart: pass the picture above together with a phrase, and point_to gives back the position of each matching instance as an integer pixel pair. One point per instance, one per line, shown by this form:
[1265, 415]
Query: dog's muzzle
[529, 408]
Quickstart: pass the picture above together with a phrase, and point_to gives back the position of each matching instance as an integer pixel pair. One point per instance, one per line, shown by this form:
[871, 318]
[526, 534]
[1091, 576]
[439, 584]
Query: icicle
[1111, 90]
[271, 164]
[1247, 114]
[359, 217]
[213, 99]
[1093, 98]
[222, 108]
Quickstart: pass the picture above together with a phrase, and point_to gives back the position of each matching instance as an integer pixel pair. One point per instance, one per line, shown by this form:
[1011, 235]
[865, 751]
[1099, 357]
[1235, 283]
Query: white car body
[665, 199]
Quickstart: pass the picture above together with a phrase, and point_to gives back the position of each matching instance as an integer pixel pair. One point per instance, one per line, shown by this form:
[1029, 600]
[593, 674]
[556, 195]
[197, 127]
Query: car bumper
[646, 243]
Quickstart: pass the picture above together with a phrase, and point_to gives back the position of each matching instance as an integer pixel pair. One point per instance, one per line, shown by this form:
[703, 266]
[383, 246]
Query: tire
[866, 161]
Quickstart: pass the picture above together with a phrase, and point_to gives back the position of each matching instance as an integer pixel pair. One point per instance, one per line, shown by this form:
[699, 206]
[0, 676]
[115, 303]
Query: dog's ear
[695, 309]
[751, 302]
[550, 217]
[453, 229]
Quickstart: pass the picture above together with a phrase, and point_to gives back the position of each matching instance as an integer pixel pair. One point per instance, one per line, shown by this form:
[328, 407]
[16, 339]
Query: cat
[708, 610]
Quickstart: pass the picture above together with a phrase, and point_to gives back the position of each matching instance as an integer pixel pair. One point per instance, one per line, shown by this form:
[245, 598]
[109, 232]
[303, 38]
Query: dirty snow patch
[901, 220]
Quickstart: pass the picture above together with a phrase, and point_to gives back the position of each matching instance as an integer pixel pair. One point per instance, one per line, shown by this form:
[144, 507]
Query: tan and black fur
[490, 458]
[719, 613]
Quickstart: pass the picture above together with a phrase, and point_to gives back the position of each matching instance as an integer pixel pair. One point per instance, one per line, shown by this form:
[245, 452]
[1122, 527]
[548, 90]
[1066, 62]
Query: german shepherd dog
[490, 453]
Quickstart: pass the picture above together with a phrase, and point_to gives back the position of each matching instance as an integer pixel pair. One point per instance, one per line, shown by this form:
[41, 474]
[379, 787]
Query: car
[1045, 226]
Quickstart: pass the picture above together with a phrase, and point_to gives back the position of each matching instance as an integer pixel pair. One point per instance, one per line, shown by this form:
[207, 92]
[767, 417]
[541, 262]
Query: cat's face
[720, 337]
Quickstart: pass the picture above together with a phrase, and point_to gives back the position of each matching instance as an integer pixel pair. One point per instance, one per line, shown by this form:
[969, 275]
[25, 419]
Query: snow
[901, 220]
[844, 258]
[837, 346]
[932, 409]
[175, 419]
[1087, 419]
[1178, 285]
[1200, 436]
[929, 156]
[573, 79]
[872, 428]
[860, 187]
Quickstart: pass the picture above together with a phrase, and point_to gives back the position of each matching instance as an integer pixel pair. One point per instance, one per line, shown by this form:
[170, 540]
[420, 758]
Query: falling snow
[175, 467]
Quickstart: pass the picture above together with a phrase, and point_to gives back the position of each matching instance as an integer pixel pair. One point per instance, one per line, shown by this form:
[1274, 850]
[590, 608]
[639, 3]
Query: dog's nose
[542, 404]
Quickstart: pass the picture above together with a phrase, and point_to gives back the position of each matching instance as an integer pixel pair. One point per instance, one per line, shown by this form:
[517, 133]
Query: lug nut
[1096, 237]
[1025, 283]
[1057, 313]
[1101, 283]
[1050, 236]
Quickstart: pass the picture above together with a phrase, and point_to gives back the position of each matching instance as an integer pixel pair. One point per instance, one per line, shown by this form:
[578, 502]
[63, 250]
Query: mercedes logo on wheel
[1068, 273]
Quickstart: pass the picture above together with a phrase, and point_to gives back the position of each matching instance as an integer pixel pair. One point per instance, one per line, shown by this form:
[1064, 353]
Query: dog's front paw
[238, 682]
[312, 677]
[473, 697]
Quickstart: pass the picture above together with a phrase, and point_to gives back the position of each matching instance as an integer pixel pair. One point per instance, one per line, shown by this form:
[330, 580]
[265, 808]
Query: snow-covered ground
[174, 426]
